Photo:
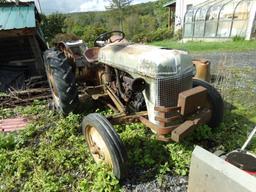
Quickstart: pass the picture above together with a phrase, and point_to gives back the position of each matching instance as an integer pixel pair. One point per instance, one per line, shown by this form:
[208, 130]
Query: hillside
[141, 22]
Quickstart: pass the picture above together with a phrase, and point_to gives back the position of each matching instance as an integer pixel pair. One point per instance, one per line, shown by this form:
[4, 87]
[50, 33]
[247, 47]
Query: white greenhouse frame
[221, 20]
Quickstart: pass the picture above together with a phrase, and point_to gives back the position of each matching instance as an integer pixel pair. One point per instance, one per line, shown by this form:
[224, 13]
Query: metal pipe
[136, 85]
[249, 139]
[108, 73]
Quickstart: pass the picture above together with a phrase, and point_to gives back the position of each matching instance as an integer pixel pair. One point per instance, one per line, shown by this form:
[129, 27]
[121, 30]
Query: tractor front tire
[104, 143]
[216, 102]
[62, 81]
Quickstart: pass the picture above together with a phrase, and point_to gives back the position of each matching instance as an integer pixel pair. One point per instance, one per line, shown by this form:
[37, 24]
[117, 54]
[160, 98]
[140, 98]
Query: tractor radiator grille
[168, 88]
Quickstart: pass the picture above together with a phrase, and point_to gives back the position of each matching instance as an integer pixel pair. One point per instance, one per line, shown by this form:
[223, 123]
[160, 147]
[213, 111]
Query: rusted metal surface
[167, 120]
[202, 70]
[166, 109]
[68, 54]
[163, 138]
[177, 131]
[188, 126]
[159, 130]
[116, 101]
[122, 118]
[91, 54]
[14, 124]
[192, 100]
[167, 116]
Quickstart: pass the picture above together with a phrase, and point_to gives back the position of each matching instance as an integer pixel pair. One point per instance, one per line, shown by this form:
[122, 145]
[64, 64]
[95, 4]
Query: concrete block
[209, 173]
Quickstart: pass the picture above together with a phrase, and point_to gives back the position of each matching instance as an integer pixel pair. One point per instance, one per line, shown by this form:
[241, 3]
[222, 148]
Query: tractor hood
[146, 60]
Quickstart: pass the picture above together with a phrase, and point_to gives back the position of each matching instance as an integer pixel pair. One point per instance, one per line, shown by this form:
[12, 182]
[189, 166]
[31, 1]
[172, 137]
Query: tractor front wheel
[215, 100]
[104, 143]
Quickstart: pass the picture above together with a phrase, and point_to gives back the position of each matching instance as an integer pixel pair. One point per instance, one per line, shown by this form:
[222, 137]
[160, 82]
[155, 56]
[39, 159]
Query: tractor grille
[168, 88]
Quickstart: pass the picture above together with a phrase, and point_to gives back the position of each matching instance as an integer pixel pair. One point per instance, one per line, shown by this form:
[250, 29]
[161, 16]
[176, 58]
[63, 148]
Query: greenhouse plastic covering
[218, 19]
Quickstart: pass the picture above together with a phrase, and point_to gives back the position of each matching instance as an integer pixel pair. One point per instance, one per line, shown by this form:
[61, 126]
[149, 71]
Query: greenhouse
[221, 20]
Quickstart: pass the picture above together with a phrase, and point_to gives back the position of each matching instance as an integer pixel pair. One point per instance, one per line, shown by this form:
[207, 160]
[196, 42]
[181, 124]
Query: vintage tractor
[153, 85]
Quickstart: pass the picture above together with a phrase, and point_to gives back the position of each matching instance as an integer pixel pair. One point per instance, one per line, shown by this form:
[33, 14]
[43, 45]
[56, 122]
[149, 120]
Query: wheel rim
[97, 146]
[53, 87]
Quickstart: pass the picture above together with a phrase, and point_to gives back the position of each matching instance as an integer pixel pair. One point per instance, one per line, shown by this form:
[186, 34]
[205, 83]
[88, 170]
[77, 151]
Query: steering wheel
[103, 38]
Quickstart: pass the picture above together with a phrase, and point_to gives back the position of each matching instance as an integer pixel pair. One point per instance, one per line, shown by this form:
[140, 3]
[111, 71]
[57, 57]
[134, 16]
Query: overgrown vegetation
[51, 154]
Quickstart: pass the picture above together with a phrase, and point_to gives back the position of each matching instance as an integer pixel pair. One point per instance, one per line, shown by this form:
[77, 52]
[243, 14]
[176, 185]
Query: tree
[64, 37]
[3, 1]
[118, 6]
[53, 25]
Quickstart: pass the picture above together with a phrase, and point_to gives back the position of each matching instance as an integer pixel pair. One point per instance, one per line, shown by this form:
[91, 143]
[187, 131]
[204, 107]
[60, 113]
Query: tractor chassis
[174, 123]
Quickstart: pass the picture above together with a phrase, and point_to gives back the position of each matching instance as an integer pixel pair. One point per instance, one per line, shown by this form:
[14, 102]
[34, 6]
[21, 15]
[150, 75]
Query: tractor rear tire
[216, 102]
[104, 143]
[62, 81]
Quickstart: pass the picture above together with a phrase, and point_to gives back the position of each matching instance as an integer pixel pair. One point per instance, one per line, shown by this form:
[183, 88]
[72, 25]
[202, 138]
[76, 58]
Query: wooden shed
[21, 44]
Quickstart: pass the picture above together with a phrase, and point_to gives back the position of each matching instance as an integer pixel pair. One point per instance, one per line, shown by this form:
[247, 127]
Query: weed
[238, 38]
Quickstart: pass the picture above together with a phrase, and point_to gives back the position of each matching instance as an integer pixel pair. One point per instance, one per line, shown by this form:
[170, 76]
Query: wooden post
[39, 64]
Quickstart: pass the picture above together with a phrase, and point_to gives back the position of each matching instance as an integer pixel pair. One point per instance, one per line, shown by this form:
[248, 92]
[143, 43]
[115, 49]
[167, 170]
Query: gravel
[141, 180]
[166, 183]
[247, 58]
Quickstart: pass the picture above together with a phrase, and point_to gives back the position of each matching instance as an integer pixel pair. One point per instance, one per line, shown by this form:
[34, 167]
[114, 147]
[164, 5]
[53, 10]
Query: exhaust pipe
[136, 85]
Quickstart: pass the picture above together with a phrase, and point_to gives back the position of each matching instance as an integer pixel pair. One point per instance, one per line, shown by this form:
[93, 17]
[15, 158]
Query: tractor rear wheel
[104, 143]
[62, 81]
[216, 102]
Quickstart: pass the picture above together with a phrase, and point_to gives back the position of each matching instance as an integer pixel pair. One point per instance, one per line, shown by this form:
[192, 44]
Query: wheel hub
[98, 146]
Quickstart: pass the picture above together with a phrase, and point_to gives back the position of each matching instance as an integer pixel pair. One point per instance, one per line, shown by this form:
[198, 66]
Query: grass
[200, 46]
[51, 154]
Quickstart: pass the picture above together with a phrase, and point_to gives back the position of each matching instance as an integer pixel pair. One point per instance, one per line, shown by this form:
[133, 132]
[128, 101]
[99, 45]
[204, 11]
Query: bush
[178, 34]
[238, 38]
[91, 33]
[64, 37]
[160, 34]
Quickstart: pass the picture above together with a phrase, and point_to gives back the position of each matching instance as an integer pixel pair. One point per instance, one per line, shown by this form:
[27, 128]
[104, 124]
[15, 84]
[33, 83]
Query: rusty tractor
[160, 87]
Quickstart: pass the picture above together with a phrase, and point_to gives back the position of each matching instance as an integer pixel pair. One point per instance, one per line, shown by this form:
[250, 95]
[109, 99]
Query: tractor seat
[91, 54]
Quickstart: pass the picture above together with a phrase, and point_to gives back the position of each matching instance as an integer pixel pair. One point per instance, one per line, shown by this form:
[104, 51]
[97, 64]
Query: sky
[66, 6]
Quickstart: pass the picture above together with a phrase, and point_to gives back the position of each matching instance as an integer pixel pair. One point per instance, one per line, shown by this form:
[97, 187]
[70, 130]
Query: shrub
[160, 34]
[178, 34]
[238, 38]
[64, 37]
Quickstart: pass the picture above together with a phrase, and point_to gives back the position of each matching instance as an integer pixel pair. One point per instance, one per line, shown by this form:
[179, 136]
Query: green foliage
[143, 22]
[118, 4]
[64, 37]
[179, 156]
[51, 154]
[117, 7]
[238, 38]
[178, 35]
[90, 33]
[52, 25]
[163, 170]
[2, 94]
[202, 132]
[159, 34]
[199, 46]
